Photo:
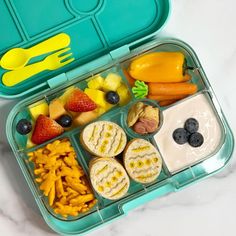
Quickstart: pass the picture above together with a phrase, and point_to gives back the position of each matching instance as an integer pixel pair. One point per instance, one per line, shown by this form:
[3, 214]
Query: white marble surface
[207, 208]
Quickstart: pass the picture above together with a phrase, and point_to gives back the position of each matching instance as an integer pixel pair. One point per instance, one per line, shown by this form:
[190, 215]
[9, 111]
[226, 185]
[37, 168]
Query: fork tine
[67, 62]
[62, 51]
[65, 56]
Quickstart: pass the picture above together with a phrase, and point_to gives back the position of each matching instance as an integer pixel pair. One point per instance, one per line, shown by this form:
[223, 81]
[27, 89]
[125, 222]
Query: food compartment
[191, 132]
[59, 112]
[164, 72]
[143, 118]
[60, 180]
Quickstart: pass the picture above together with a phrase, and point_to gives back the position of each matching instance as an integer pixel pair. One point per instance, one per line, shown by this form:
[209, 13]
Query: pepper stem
[186, 67]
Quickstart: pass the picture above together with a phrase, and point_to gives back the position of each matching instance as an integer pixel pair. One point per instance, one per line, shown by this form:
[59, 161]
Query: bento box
[131, 118]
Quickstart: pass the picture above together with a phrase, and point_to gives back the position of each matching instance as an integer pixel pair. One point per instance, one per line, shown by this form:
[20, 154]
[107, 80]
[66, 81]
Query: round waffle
[142, 161]
[103, 139]
[109, 178]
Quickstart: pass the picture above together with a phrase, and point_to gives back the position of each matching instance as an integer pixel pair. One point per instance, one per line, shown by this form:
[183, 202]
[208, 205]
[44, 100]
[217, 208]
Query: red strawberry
[78, 101]
[45, 129]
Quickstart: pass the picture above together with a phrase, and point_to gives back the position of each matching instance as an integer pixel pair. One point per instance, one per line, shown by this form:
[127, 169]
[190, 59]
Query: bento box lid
[96, 28]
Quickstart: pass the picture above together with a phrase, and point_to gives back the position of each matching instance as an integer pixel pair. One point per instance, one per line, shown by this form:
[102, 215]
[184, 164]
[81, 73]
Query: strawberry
[78, 101]
[45, 129]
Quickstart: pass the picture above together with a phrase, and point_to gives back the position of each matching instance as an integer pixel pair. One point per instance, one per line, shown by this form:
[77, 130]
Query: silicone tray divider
[83, 164]
[21, 34]
[102, 36]
[18, 20]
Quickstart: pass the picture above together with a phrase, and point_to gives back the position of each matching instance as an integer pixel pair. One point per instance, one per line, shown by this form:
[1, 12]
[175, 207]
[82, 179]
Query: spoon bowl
[16, 58]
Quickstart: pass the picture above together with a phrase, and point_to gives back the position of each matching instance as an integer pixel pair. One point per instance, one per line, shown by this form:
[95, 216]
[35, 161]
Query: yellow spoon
[17, 58]
[51, 62]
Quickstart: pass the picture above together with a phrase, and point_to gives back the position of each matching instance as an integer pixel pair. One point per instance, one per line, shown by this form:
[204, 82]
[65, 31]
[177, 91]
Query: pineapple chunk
[108, 106]
[29, 143]
[96, 82]
[112, 82]
[101, 110]
[97, 96]
[124, 94]
[39, 108]
[56, 109]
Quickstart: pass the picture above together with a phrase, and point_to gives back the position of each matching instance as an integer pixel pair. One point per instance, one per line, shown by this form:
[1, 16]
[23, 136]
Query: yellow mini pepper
[159, 67]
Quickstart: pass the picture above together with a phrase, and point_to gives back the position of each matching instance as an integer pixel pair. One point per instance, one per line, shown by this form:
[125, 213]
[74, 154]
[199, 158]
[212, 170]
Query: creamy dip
[178, 156]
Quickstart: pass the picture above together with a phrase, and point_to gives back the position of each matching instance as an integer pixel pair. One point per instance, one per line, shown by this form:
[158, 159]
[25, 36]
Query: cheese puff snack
[62, 179]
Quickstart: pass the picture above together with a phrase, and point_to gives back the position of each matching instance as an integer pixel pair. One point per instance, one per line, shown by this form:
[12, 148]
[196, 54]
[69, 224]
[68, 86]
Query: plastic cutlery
[17, 58]
[51, 62]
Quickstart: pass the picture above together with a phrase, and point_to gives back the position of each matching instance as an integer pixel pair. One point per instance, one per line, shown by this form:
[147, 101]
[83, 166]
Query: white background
[207, 208]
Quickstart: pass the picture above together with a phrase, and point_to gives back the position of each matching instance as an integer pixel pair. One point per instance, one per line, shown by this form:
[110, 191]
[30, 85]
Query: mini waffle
[142, 161]
[109, 178]
[103, 139]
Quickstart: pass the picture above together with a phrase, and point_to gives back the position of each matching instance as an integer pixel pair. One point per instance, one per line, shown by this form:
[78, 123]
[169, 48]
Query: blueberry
[65, 121]
[181, 136]
[23, 127]
[191, 125]
[196, 140]
[112, 97]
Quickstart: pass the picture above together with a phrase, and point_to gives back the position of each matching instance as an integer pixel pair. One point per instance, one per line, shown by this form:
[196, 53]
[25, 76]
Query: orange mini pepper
[159, 67]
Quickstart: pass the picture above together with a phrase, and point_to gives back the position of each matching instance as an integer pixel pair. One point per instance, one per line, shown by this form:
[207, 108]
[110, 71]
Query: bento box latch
[120, 52]
[57, 80]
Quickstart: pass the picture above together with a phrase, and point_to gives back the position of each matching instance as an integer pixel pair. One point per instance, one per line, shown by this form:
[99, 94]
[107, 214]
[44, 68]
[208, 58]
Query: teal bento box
[106, 36]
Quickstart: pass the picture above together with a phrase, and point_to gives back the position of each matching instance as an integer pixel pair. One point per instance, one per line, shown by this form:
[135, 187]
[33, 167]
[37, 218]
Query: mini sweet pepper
[159, 67]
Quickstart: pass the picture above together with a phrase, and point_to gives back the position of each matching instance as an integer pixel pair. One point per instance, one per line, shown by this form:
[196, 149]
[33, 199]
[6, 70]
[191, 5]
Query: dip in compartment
[181, 148]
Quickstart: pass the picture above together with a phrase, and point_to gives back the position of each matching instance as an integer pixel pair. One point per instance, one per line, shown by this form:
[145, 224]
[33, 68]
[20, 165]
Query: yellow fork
[51, 62]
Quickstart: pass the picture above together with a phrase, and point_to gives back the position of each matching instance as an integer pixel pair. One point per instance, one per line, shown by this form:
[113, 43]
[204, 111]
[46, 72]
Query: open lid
[95, 27]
